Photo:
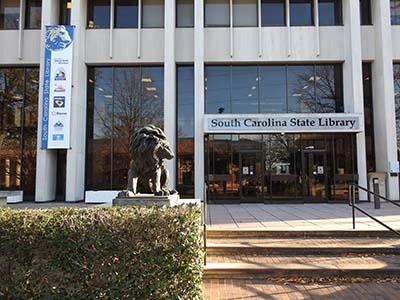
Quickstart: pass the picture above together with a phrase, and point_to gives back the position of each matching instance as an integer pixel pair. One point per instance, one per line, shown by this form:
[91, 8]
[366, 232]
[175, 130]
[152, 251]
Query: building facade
[262, 100]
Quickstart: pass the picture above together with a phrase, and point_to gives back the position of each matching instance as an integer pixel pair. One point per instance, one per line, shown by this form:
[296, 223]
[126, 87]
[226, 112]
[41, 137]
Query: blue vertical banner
[57, 87]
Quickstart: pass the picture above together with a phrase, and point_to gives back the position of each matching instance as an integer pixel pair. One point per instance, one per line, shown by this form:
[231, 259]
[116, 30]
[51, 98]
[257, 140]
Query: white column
[75, 183]
[383, 95]
[170, 85]
[199, 98]
[353, 82]
[46, 160]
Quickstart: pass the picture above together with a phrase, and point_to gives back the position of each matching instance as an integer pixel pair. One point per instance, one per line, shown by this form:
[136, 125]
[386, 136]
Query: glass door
[315, 175]
[251, 175]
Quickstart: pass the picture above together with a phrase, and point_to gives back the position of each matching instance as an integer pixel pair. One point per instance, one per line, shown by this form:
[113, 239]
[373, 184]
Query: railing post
[353, 197]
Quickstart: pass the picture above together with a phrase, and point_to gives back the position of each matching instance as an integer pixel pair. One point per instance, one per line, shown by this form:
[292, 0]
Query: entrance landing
[299, 217]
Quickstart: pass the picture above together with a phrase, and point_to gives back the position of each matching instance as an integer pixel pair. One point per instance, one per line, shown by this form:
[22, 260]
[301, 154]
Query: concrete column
[170, 85]
[46, 160]
[199, 98]
[75, 173]
[383, 95]
[353, 82]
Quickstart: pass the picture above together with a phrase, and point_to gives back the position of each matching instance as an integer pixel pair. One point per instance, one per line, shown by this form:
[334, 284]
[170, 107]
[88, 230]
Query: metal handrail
[352, 203]
[204, 219]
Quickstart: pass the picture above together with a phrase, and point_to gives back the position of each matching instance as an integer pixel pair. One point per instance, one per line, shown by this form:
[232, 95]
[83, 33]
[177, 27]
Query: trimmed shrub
[101, 253]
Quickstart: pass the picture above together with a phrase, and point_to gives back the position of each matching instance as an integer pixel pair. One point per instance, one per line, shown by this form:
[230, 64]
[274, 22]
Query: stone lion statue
[147, 173]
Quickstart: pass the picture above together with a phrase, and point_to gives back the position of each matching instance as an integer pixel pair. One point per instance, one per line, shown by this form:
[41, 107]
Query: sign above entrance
[282, 123]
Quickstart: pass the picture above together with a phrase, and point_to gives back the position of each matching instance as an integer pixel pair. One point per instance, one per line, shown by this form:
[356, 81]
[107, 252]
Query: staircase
[246, 254]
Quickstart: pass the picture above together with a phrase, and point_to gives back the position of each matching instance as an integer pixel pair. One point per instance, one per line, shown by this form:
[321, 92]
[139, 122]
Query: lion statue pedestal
[147, 176]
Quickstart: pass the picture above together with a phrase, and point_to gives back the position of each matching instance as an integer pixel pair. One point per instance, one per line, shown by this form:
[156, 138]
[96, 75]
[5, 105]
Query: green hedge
[110, 253]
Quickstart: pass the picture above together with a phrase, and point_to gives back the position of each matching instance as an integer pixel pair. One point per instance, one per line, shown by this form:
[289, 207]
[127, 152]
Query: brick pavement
[232, 289]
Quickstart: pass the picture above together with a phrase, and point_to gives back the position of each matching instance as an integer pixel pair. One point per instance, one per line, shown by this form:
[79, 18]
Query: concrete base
[147, 199]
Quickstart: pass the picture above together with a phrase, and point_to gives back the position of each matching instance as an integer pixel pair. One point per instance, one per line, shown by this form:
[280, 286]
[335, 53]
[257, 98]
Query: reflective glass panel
[395, 12]
[152, 13]
[244, 13]
[216, 13]
[301, 89]
[329, 98]
[98, 13]
[245, 91]
[184, 13]
[273, 13]
[218, 89]
[301, 12]
[185, 132]
[126, 13]
[329, 12]
[396, 71]
[65, 12]
[272, 82]
[33, 14]
[9, 14]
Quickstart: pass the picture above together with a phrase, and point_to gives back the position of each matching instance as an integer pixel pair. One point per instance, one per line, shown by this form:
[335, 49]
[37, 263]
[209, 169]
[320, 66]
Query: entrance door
[315, 175]
[251, 168]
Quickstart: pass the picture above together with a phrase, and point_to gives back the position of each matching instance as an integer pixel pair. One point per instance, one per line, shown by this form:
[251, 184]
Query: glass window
[272, 81]
[330, 12]
[126, 14]
[120, 100]
[99, 14]
[396, 75]
[395, 12]
[152, 13]
[9, 14]
[301, 89]
[244, 91]
[301, 13]
[365, 12]
[217, 13]
[65, 12]
[273, 12]
[184, 13]
[185, 131]
[18, 129]
[33, 14]
[329, 98]
[244, 13]
[368, 117]
[218, 89]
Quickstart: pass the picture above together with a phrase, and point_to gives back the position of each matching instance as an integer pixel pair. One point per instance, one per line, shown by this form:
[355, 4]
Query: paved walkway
[221, 289]
[299, 217]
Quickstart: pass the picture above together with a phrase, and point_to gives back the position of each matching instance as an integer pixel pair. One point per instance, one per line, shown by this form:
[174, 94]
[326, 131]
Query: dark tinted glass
[395, 12]
[218, 89]
[365, 12]
[368, 117]
[120, 100]
[65, 12]
[273, 89]
[126, 13]
[329, 98]
[18, 129]
[9, 14]
[216, 13]
[301, 13]
[330, 12]
[244, 93]
[396, 75]
[184, 13]
[273, 13]
[98, 13]
[33, 14]
[301, 89]
[185, 132]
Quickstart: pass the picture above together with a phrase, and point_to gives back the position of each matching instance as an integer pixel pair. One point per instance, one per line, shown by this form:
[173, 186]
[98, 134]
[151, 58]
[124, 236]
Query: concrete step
[244, 233]
[315, 246]
[246, 266]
